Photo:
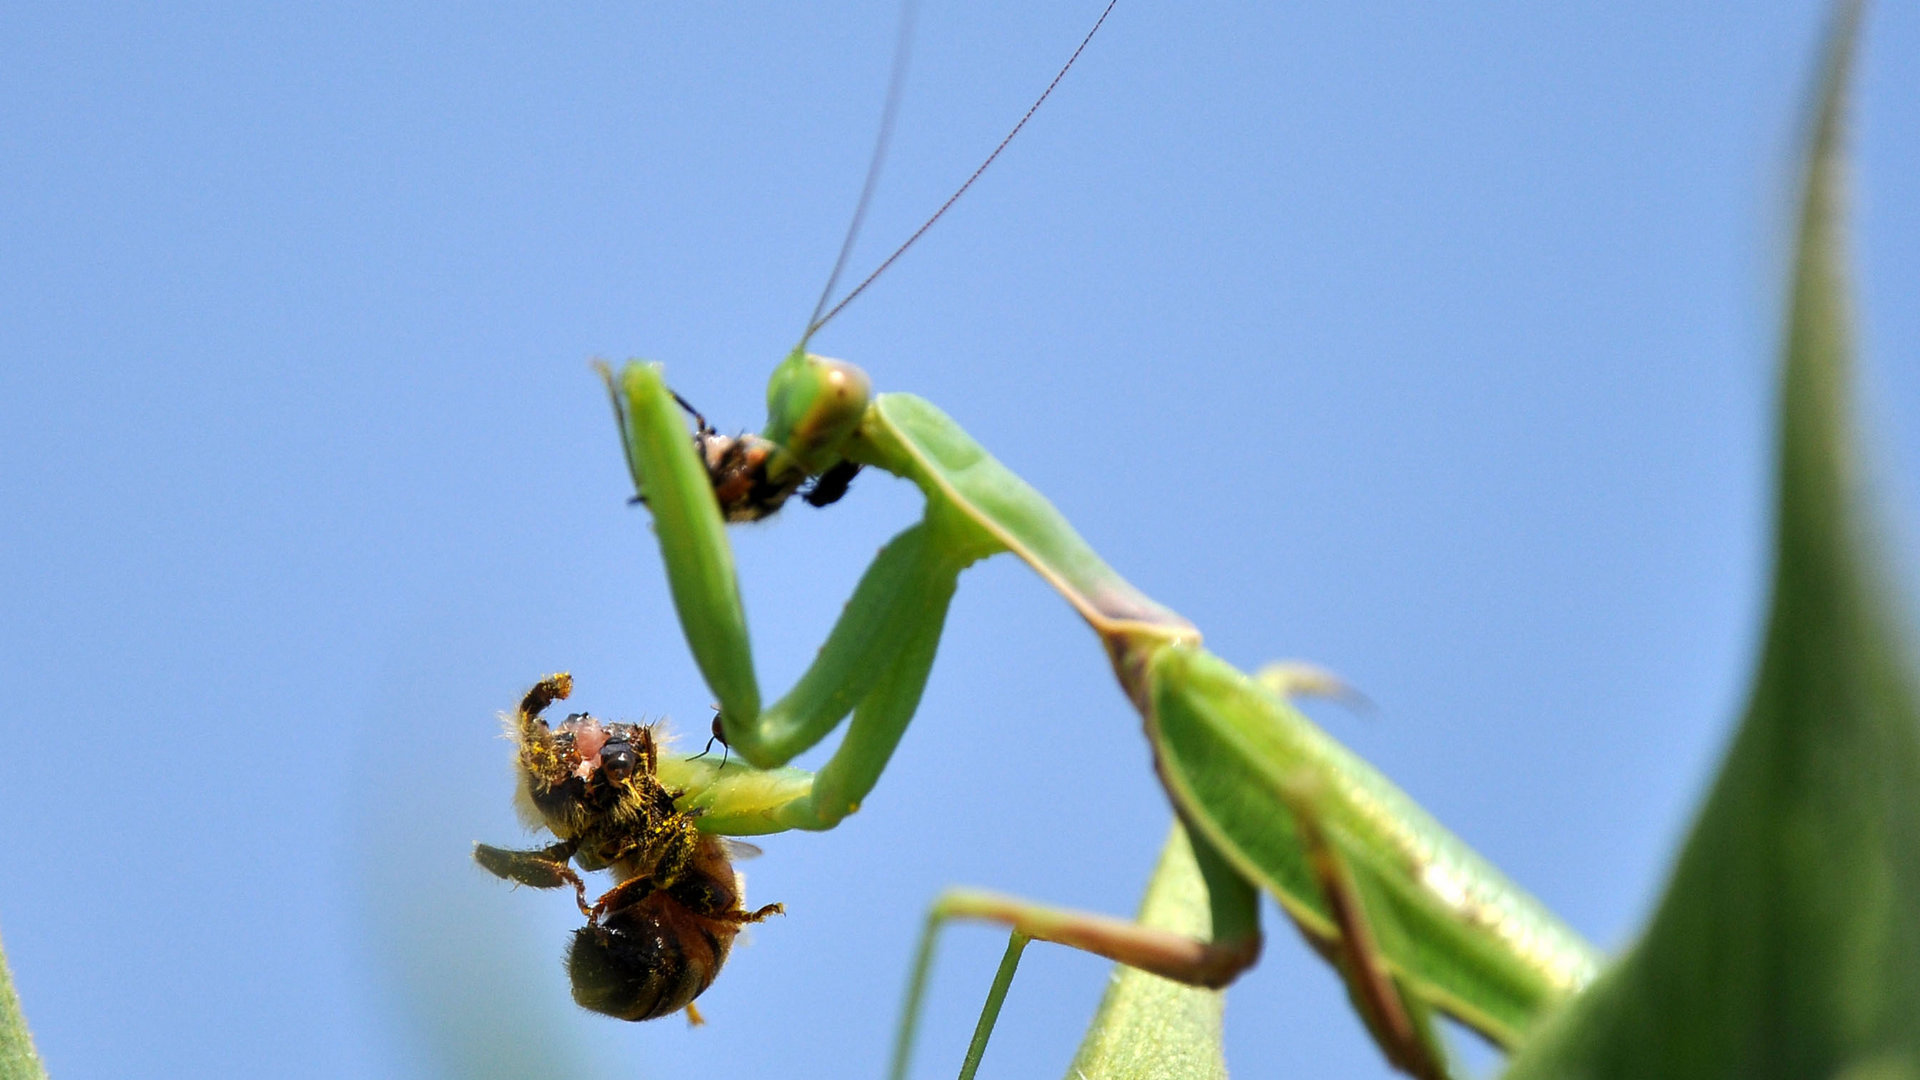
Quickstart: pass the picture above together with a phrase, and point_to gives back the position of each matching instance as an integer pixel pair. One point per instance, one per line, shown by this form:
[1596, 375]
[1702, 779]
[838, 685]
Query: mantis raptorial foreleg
[874, 663]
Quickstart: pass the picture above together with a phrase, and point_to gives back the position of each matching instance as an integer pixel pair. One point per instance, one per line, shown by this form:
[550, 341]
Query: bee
[742, 471]
[656, 940]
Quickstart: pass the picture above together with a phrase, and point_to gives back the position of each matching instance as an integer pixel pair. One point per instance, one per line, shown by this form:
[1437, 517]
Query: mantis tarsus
[1412, 918]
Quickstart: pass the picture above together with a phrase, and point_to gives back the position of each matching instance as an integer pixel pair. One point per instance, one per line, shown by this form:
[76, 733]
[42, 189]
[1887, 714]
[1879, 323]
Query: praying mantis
[1415, 922]
[1412, 917]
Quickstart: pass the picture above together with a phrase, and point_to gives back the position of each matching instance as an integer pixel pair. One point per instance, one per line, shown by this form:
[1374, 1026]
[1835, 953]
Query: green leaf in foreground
[1147, 1027]
[1788, 942]
[17, 1058]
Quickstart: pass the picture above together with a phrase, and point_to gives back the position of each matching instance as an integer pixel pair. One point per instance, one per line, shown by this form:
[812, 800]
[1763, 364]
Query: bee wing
[740, 849]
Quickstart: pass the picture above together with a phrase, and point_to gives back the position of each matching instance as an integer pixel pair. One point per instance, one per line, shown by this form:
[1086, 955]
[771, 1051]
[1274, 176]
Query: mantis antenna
[879, 152]
[896, 80]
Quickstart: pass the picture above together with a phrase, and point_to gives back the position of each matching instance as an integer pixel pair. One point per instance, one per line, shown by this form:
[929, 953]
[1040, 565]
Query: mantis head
[813, 406]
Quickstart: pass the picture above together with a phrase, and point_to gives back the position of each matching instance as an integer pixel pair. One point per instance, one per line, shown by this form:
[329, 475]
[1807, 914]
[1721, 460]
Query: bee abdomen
[644, 961]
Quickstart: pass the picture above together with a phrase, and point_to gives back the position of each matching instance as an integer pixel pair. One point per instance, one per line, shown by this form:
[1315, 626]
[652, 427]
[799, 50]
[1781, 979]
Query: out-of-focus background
[1431, 343]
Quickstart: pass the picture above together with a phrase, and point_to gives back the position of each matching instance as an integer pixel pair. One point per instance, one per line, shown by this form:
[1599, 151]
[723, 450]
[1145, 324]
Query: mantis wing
[1471, 943]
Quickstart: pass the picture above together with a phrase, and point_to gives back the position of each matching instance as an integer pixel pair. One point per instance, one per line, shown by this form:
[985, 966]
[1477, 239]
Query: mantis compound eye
[813, 404]
[617, 760]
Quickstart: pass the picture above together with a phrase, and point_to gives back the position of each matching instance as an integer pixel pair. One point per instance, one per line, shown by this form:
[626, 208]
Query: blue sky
[1428, 342]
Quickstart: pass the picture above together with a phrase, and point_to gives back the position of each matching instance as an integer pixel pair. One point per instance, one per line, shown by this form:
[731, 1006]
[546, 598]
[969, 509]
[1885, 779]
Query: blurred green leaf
[1788, 943]
[1147, 1027]
[18, 1061]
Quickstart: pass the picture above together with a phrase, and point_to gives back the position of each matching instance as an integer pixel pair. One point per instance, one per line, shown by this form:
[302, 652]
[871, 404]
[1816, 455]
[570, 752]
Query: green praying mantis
[1414, 919]
[1415, 922]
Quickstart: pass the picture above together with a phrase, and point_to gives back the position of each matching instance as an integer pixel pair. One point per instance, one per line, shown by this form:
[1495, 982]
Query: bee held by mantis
[1415, 922]
[656, 940]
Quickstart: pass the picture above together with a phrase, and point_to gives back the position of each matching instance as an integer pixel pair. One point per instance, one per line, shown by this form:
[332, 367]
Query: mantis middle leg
[1198, 928]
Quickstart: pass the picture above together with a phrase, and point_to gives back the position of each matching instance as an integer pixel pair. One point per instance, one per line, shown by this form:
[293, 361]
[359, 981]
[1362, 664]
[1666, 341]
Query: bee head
[618, 760]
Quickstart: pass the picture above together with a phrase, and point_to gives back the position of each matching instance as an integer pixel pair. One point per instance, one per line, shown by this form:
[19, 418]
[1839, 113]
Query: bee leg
[829, 487]
[649, 751]
[698, 420]
[694, 1019]
[544, 693]
[542, 868]
[630, 891]
[765, 913]
[673, 853]
[742, 917]
[539, 755]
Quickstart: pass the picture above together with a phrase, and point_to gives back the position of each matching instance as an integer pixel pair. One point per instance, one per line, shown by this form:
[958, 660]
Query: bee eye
[617, 761]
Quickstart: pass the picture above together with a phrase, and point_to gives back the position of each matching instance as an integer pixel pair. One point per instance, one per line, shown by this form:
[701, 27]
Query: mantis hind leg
[1171, 941]
[1400, 1022]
